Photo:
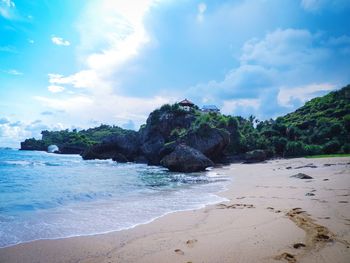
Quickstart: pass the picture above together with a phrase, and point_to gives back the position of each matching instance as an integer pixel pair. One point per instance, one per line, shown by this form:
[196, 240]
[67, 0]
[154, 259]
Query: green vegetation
[73, 139]
[321, 126]
[329, 155]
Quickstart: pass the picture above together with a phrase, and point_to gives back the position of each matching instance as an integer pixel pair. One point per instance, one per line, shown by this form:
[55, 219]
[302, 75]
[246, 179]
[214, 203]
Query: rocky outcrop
[186, 159]
[255, 156]
[121, 148]
[178, 139]
[210, 141]
[71, 149]
[151, 147]
[159, 129]
[100, 151]
[127, 144]
[33, 145]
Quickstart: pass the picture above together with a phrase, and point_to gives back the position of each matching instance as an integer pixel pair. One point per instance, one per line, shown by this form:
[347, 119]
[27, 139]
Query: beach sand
[269, 217]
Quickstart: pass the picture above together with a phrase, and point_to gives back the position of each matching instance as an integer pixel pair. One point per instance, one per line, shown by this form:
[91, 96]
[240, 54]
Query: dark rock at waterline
[100, 151]
[33, 145]
[119, 158]
[168, 148]
[302, 176]
[71, 149]
[210, 141]
[255, 156]
[151, 148]
[121, 147]
[159, 129]
[186, 159]
[140, 159]
[127, 144]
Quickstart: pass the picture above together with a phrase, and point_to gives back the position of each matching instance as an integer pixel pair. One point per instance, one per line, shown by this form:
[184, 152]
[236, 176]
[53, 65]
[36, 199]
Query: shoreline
[257, 224]
[114, 231]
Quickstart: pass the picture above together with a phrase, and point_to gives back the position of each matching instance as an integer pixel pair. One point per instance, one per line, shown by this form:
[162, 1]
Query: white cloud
[69, 104]
[311, 5]
[106, 108]
[280, 70]
[12, 132]
[284, 48]
[10, 49]
[60, 41]
[303, 93]
[111, 33]
[4, 121]
[202, 7]
[83, 79]
[8, 3]
[55, 89]
[6, 8]
[317, 5]
[240, 106]
[13, 72]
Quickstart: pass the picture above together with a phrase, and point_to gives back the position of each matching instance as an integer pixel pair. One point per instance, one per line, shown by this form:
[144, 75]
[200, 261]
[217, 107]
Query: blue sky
[76, 64]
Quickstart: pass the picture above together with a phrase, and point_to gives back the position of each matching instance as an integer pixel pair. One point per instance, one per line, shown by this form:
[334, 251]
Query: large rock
[121, 148]
[33, 145]
[163, 122]
[100, 151]
[72, 149]
[151, 148]
[126, 144]
[186, 159]
[159, 129]
[210, 141]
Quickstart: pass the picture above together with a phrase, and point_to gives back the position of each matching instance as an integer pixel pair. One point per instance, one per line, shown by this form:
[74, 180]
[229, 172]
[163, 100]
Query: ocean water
[47, 196]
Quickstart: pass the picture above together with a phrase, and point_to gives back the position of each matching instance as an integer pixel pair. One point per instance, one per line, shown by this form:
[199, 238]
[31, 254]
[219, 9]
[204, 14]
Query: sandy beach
[270, 216]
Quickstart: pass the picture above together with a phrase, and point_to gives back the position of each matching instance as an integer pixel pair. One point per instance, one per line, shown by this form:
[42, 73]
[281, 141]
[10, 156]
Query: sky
[76, 64]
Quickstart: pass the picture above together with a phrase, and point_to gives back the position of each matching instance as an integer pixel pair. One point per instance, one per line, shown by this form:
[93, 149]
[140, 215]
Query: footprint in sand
[317, 236]
[191, 242]
[273, 210]
[298, 245]
[309, 194]
[326, 217]
[287, 257]
[179, 252]
[235, 206]
[320, 201]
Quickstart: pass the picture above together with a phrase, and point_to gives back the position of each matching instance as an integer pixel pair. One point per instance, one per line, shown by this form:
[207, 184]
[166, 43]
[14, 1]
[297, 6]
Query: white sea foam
[91, 197]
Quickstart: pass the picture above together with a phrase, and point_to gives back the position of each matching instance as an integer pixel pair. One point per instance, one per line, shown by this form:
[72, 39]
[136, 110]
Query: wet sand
[272, 216]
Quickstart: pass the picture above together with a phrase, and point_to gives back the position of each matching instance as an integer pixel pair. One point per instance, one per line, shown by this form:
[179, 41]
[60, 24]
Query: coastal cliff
[321, 126]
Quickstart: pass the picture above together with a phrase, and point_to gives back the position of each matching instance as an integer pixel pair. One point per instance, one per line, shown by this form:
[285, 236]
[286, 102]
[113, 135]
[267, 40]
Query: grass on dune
[329, 155]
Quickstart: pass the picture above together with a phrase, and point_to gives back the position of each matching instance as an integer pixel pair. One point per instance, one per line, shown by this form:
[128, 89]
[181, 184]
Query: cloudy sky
[76, 64]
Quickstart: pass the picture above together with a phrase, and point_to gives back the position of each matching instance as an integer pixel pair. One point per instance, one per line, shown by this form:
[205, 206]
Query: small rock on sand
[302, 176]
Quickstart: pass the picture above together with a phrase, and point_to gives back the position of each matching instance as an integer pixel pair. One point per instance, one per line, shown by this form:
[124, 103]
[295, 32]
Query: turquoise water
[46, 196]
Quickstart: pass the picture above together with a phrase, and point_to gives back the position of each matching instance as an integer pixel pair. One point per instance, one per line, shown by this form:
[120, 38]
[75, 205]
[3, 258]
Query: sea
[50, 196]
